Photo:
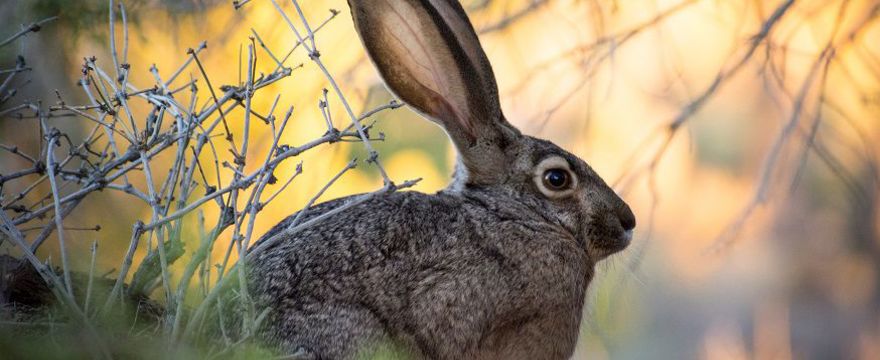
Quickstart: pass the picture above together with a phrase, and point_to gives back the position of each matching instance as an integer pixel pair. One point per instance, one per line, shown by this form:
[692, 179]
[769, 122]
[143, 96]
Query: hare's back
[382, 240]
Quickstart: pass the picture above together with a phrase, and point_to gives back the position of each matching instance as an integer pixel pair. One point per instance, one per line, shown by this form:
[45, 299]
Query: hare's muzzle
[615, 229]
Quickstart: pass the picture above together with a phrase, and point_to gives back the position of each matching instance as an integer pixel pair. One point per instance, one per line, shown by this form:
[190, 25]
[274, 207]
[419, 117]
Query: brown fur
[490, 268]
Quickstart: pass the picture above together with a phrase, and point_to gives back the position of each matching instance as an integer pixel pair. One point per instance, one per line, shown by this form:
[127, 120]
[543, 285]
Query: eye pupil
[556, 179]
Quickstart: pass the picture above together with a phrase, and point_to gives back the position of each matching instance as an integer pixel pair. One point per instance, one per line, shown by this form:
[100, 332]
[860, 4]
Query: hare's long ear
[430, 57]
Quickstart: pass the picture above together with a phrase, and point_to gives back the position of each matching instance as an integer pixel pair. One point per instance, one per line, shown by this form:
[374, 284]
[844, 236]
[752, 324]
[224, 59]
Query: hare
[495, 266]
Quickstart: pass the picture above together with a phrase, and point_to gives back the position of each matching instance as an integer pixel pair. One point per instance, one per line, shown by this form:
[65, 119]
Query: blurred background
[742, 133]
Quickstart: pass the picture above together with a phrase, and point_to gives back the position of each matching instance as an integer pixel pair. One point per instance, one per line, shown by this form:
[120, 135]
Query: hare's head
[430, 57]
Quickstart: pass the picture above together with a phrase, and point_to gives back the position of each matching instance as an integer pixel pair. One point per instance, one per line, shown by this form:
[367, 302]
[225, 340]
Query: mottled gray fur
[490, 268]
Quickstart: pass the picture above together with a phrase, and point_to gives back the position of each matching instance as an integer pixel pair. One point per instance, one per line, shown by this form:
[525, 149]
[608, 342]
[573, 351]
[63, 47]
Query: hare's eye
[556, 179]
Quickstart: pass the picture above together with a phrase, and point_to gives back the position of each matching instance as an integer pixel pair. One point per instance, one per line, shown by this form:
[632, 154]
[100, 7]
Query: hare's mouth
[615, 244]
[622, 241]
[628, 236]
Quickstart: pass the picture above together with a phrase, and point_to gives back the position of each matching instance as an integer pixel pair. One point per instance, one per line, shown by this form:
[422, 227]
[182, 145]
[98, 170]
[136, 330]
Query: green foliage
[150, 268]
[130, 331]
[385, 351]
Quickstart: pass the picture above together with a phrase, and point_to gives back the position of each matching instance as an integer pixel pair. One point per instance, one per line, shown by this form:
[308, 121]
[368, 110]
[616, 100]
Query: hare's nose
[626, 217]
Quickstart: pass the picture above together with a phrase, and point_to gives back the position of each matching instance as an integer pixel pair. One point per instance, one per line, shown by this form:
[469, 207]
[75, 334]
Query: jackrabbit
[494, 267]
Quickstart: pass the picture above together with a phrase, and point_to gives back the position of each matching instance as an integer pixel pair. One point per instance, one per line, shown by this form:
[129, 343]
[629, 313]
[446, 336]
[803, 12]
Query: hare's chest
[551, 334]
[545, 314]
[554, 273]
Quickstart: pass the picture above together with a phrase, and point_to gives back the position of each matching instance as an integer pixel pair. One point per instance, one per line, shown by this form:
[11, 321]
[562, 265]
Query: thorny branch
[134, 131]
[33, 27]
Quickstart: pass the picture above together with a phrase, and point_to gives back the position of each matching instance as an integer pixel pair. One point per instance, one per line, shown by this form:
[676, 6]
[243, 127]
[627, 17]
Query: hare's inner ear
[430, 57]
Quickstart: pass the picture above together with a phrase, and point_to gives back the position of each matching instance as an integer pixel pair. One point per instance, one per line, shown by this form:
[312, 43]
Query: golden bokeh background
[796, 278]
